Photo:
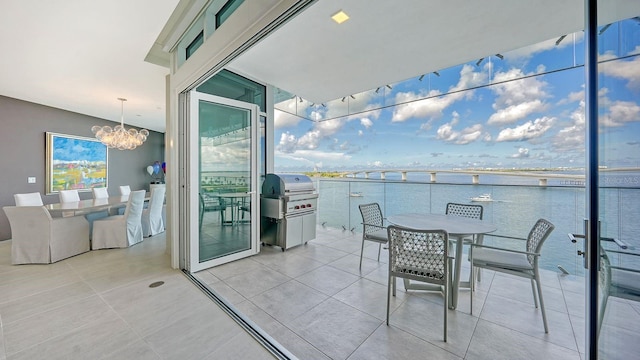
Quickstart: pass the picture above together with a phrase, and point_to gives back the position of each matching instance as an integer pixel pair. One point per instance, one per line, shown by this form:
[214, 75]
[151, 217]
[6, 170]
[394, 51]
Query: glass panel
[233, 86]
[195, 44]
[226, 11]
[225, 178]
[619, 195]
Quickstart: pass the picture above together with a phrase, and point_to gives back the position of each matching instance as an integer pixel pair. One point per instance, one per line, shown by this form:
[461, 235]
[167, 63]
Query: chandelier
[119, 137]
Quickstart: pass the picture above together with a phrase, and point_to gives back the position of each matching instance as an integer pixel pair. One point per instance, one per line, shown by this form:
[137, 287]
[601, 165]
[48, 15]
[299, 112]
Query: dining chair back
[68, 196]
[211, 204]
[465, 210]
[120, 231]
[420, 255]
[100, 193]
[125, 190]
[515, 262]
[29, 199]
[37, 238]
[152, 216]
[373, 228]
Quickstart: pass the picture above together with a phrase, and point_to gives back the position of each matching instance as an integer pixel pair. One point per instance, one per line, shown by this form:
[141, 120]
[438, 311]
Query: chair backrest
[156, 201]
[29, 223]
[30, 199]
[68, 196]
[464, 210]
[100, 193]
[371, 215]
[538, 234]
[418, 254]
[125, 190]
[135, 204]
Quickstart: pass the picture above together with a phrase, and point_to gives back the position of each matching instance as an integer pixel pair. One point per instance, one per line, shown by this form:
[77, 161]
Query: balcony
[315, 302]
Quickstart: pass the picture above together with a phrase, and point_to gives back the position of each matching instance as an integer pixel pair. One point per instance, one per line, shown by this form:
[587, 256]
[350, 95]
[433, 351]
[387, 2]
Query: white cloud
[521, 154]
[527, 131]
[516, 99]
[470, 134]
[360, 132]
[366, 122]
[282, 119]
[432, 107]
[571, 138]
[626, 70]
[620, 112]
[514, 113]
[314, 156]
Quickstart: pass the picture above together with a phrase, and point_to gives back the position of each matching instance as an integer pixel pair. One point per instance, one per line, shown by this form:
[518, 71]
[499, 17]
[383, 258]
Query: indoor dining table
[457, 227]
[88, 205]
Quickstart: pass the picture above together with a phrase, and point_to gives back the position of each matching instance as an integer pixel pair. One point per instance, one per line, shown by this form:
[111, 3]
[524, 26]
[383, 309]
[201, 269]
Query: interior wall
[23, 153]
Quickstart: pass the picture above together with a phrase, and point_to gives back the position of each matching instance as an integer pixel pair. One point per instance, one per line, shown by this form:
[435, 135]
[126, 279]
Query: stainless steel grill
[288, 208]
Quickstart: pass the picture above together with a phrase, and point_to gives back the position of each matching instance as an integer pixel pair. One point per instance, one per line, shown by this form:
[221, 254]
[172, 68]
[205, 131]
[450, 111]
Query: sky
[524, 110]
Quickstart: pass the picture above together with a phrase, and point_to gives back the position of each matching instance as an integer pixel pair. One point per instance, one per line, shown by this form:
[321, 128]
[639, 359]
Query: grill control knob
[302, 206]
[296, 207]
[308, 205]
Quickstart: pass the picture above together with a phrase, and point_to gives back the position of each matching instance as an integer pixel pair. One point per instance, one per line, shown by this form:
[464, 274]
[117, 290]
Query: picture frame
[75, 162]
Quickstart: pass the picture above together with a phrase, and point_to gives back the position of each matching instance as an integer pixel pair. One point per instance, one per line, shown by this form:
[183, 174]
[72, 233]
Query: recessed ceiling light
[340, 17]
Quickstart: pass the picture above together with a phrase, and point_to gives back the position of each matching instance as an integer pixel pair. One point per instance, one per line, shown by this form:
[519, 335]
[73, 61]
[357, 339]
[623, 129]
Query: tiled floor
[312, 299]
[315, 301]
[99, 305]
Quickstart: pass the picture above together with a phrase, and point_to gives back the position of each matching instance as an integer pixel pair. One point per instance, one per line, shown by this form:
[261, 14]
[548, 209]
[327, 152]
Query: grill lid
[276, 185]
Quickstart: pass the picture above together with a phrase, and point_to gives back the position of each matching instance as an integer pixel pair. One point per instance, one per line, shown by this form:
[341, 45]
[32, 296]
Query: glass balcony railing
[514, 210]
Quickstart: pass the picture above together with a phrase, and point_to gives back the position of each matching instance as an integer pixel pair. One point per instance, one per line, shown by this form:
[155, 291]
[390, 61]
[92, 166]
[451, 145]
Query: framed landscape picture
[75, 162]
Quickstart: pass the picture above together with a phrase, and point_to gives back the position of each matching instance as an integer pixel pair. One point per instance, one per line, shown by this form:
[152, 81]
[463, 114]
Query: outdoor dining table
[232, 200]
[457, 227]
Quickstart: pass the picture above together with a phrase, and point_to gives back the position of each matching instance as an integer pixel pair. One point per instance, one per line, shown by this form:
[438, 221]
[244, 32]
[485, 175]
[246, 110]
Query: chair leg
[473, 288]
[361, 252]
[446, 298]
[379, 248]
[389, 294]
[544, 314]
[533, 289]
[394, 286]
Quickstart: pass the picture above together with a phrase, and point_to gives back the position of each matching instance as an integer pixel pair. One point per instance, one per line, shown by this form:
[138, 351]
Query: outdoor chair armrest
[507, 250]
[622, 252]
[505, 237]
[378, 226]
[637, 271]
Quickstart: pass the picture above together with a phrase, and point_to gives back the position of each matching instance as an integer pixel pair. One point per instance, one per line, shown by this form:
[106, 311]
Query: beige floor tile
[289, 300]
[327, 279]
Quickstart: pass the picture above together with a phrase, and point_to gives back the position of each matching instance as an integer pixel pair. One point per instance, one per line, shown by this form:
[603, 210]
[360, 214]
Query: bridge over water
[542, 176]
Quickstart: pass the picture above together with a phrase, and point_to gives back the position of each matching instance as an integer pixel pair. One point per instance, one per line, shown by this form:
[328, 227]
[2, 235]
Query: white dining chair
[120, 231]
[67, 196]
[125, 190]
[29, 199]
[100, 193]
[37, 238]
[152, 216]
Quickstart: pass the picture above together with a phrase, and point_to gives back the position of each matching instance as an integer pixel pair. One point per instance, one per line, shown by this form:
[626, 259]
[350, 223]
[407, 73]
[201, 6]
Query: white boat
[355, 194]
[482, 198]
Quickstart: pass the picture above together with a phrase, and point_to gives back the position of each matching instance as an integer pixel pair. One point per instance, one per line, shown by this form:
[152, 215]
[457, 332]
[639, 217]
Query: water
[514, 211]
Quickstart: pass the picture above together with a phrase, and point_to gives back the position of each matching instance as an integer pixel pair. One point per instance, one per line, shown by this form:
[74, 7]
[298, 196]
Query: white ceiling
[82, 55]
[387, 41]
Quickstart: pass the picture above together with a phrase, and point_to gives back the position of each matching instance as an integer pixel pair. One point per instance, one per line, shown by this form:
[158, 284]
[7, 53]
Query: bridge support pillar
[475, 179]
[383, 175]
[433, 177]
[366, 175]
[542, 182]
[404, 176]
